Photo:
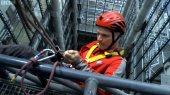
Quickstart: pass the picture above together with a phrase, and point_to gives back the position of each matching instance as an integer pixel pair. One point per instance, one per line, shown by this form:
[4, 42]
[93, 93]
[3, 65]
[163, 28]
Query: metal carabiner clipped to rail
[46, 57]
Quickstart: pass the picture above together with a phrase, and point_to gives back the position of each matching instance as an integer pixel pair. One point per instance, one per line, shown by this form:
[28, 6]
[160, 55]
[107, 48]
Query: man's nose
[99, 38]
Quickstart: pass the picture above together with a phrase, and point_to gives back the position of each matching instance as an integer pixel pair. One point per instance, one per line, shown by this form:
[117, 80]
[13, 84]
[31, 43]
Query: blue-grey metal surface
[82, 76]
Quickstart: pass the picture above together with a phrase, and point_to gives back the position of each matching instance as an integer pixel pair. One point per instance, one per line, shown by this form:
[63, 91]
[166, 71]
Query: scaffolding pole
[139, 21]
[75, 14]
[57, 23]
[104, 81]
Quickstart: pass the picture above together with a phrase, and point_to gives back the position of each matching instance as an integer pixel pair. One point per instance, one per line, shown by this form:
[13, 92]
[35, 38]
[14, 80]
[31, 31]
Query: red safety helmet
[112, 20]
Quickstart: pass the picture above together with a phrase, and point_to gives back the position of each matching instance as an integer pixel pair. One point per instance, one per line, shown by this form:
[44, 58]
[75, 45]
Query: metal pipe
[18, 80]
[28, 76]
[91, 86]
[126, 8]
[32, 78]
[139, 21]
[82, 76]
[57, 23]
[62, 89]
[75, 10]
[68, 83]
[115, 91]
[137, 6]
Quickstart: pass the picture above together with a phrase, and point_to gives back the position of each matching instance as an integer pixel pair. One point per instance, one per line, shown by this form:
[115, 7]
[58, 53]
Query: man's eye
[105, 35]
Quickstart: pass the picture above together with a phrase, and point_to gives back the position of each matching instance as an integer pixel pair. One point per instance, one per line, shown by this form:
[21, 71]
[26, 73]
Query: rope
[25, 68]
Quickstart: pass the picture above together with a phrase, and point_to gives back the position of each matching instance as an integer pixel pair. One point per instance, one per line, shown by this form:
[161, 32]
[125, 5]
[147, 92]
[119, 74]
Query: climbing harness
[106, 54]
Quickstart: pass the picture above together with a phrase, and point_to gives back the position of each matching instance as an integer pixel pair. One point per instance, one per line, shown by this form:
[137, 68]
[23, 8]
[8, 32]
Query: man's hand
[71, 56]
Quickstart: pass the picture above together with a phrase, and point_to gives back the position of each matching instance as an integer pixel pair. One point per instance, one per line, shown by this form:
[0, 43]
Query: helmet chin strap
[113, 41]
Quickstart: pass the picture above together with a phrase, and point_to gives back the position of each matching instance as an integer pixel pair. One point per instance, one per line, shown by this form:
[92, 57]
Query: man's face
[104, 37]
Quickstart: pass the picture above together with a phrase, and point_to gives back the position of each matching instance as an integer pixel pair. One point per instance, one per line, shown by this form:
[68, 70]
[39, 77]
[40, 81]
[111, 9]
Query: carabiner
[46, 57]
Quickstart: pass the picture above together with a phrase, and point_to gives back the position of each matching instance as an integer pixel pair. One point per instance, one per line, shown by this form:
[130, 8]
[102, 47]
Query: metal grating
[153, 41]
[8, 88]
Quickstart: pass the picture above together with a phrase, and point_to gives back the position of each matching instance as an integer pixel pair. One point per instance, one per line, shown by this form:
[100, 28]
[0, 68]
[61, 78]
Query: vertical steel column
[75, 11]
[7, 25]
[127, 7]
[57, 23]
[139, 21]
[91, 86]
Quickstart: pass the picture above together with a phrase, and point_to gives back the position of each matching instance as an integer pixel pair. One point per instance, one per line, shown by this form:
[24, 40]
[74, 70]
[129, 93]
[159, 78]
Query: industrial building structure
[71, 24]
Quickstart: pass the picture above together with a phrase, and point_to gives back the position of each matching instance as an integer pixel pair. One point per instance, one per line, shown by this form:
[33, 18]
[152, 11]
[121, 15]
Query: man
[102, 56]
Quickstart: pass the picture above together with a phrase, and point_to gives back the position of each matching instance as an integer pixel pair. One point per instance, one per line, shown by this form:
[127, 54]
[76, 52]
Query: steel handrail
[104, 81]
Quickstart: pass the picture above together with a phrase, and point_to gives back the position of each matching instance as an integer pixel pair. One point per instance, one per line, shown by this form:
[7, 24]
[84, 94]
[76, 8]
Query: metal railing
[98, 80]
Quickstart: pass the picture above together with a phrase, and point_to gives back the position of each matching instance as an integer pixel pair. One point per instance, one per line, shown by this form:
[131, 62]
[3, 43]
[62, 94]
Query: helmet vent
[101, 18]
